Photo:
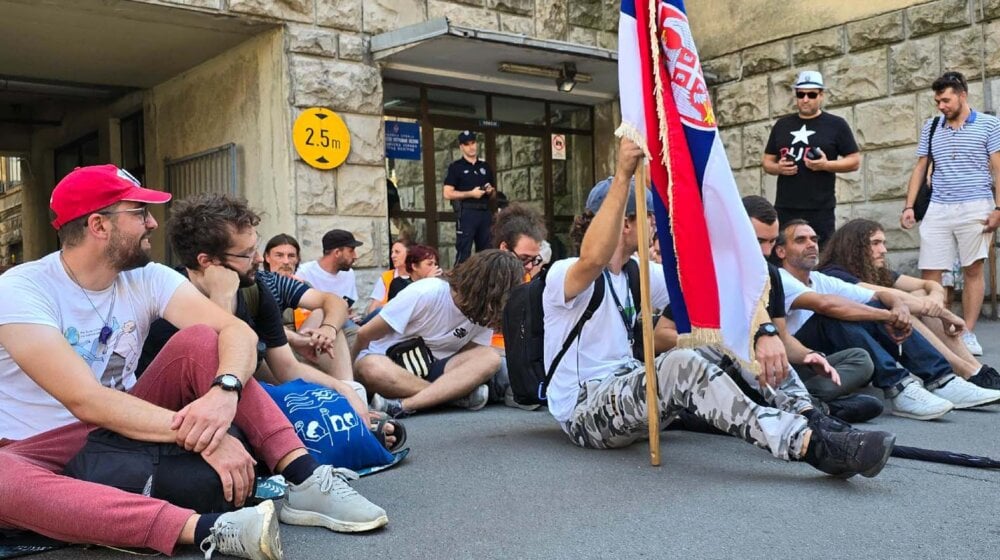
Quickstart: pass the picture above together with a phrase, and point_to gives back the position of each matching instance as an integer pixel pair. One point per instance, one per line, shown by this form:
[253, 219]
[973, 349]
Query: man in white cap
[806, 151]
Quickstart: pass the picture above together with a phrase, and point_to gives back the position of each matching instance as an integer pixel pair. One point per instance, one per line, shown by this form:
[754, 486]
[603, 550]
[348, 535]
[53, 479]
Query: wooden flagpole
[652, 401]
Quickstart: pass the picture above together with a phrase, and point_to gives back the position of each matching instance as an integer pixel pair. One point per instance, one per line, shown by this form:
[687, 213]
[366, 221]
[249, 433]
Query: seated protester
[320, 345]
[828, 314]
[856, 254]
[281, 255]
[333, 271]
[214, 237]
[430, 345]
[520, 230]
[598, 392]
[71, 325]
[833, 379]
[421, 262]
[380, 291]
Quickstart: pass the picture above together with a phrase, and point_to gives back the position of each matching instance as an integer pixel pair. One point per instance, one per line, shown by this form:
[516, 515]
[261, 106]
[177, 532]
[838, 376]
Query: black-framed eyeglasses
[528, 260]
[809, 94]
[142, 212]
[250, 257]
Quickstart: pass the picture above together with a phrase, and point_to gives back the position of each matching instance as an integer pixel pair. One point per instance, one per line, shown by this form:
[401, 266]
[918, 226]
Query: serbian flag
[716, 276]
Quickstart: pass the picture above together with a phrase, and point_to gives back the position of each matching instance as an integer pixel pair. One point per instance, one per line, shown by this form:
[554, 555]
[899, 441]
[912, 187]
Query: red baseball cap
[88, 189]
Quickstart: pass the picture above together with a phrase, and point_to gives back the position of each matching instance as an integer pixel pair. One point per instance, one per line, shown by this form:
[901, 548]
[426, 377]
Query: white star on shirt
[802, 135]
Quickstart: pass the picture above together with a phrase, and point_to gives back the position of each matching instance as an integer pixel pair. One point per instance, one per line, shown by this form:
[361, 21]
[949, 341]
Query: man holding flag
[598, 390]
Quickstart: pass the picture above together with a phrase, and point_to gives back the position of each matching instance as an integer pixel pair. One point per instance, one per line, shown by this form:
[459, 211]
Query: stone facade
[878, 72]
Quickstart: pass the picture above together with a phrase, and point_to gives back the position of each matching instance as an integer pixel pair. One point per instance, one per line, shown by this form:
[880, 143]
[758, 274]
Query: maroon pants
[35, 496]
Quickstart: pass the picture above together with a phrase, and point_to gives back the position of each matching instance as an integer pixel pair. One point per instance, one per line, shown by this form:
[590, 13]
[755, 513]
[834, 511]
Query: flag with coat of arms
[716, 277]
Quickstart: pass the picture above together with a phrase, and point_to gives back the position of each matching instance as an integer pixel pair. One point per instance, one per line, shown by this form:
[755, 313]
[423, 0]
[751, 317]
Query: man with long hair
[430, 345]
[828, 314]
[857, 254]
[598, 391]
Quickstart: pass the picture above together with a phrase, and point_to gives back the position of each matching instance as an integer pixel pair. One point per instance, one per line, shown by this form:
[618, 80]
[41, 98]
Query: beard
[247, 279]
[125, 254]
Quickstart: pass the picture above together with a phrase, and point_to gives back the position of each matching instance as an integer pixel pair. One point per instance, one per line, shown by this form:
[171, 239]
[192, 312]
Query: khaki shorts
[956, 229]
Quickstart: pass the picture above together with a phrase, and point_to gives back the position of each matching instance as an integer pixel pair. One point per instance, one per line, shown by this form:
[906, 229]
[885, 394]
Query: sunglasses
[809, 94]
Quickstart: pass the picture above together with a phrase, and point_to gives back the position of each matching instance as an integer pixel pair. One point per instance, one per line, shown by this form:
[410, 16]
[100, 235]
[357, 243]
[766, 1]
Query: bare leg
[187, 533]
[972, 294]
[381, 375]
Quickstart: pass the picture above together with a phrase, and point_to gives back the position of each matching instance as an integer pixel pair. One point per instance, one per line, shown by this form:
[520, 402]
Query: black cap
[337, 238]
[466, 136]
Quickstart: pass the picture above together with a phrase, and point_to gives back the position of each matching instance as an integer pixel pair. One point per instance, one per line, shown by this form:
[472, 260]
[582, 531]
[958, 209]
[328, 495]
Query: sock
[202, 529]
[300, 469]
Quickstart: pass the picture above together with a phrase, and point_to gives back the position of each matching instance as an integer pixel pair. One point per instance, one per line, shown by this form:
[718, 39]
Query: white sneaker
[245, 533]
[963, 394]
[475, 400]
[326, 500]
[918, 403]
[972, 343]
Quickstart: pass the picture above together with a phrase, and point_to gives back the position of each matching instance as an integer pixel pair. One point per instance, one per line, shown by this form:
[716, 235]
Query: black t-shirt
[397, 285]
[842, 273]
[793, 135]
[465, 176]
[267, 324]
[776, 297]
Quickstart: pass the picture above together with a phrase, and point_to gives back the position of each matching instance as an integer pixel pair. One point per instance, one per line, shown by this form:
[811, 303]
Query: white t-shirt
[342, 283]
[41, 293]
[819, 283]
[425, 309]
[602, 346]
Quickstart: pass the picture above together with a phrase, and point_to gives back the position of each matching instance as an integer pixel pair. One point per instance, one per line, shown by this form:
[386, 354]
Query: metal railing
[209, 171]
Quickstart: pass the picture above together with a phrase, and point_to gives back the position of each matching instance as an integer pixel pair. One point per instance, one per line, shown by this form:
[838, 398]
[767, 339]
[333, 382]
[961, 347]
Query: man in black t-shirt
[806, 151]
[469, 185]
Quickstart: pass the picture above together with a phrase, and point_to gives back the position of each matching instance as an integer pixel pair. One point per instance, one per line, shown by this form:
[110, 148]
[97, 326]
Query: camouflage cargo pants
[611, 411]
[791, 396]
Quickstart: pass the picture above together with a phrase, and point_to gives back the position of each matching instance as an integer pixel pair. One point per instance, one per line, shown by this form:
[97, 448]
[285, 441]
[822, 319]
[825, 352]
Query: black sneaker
[819, 421]
[845, 454]
[987, 378]
[856, 408]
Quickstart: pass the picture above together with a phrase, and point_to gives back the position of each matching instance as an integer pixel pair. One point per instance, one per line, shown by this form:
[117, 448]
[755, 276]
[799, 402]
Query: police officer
[469, 186]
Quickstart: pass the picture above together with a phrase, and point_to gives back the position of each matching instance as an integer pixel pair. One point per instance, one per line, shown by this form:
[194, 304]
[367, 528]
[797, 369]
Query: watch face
[230, 382]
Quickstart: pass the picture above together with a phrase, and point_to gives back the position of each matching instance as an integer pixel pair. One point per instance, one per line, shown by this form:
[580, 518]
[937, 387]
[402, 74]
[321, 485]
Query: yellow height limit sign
[321, 138]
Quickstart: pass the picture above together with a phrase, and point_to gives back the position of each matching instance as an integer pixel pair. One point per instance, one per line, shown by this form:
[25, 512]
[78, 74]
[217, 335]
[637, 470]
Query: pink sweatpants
[34, 496]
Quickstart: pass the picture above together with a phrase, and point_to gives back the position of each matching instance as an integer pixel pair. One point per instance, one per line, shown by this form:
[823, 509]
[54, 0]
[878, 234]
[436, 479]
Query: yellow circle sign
[321, 138]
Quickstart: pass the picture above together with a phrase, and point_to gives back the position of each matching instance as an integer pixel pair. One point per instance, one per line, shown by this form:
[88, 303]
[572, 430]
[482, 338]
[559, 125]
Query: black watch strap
[229, 382]
[765, 329]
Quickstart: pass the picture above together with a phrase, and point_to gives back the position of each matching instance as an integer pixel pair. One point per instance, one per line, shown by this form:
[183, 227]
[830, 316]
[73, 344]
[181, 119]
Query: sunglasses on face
[809, 94]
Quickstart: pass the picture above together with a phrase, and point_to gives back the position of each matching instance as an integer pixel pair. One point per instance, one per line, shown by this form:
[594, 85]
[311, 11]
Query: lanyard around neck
[626, 319]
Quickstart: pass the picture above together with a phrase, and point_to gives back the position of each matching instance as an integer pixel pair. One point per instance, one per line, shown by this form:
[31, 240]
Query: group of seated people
[95, 335]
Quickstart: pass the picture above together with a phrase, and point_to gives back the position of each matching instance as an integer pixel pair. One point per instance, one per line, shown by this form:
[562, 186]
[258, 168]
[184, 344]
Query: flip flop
[399, 431]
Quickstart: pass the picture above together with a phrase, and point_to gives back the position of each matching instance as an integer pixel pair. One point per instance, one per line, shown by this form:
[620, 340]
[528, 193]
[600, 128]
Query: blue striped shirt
[287, 291]
[962, 158]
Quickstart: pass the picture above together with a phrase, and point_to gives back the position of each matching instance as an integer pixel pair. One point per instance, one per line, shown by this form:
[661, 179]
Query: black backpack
[524, 334]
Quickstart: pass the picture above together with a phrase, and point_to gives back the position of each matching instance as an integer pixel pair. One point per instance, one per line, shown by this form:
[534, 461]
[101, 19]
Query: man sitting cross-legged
[598, 391]
[445, 326]
[71, 326]
[827, 314]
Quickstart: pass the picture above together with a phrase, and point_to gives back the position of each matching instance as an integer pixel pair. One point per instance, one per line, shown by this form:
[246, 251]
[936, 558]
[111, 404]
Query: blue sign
[402, 140]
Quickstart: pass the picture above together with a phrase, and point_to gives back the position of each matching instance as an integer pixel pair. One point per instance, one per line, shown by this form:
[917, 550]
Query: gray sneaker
[326, 500]
[475, 400]
[245, 533]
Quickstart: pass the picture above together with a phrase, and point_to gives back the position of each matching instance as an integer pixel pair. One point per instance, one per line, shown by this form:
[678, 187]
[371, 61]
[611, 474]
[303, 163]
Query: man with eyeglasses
[71, 324]
[964, 210]
[806, 150]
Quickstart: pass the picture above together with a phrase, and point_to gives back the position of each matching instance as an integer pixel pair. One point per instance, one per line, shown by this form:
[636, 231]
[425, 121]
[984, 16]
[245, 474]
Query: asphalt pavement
[504, 483]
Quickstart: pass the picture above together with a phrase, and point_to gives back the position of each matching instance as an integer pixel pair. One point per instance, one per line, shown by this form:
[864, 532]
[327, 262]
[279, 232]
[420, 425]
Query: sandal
[399, 431]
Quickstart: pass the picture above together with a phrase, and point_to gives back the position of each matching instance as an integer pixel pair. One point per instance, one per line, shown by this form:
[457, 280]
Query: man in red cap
[71, 328]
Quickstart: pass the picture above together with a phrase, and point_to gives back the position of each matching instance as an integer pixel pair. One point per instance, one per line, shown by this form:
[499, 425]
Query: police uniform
[472, 214]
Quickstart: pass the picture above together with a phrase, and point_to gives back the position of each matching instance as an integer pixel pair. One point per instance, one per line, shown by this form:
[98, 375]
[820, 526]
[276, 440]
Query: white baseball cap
[809, 79]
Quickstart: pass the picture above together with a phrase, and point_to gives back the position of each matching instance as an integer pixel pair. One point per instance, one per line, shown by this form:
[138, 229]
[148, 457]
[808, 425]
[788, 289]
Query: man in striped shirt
[963, 212]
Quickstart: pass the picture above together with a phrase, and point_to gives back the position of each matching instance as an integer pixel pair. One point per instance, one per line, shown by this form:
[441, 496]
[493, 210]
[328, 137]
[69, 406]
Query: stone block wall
[878, 73]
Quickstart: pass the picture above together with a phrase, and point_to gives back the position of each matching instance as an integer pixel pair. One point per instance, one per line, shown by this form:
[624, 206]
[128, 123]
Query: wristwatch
[765, 329]
[229, 382]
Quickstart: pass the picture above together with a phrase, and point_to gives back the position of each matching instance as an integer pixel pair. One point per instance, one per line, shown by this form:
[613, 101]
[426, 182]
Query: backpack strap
[595, 301]
[930, 140]
[631, 269]
[251, 295]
